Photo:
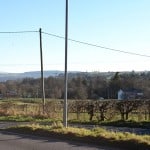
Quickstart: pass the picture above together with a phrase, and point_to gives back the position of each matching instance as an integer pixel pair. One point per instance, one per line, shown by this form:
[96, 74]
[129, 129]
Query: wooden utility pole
[42, 77]
[65, 113]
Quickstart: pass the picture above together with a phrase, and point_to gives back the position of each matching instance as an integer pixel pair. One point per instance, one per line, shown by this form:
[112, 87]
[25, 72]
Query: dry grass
[97, 136]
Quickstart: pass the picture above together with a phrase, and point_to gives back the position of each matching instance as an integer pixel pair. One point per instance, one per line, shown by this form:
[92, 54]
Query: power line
[30, 64]
[98, 46]
[15, 32]
[80, 42]
[54, 35]
[112, 49]
[19, 64]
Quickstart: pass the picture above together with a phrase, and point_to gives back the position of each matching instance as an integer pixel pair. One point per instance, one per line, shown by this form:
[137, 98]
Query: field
[86, 112]
[79, 111]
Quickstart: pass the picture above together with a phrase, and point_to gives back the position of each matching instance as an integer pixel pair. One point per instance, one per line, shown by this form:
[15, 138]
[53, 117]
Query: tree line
[80, 86]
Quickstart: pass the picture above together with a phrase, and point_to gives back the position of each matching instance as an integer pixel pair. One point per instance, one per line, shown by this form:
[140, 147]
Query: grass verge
[118, 123]
[96, 136]
[42, 119]
[27, 119]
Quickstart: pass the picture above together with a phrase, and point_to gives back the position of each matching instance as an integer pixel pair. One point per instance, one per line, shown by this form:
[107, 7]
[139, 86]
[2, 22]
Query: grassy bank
[96, 136]
[117, 123]
[41, 119]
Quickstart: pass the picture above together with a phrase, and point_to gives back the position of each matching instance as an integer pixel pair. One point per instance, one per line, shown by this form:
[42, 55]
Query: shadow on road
[15, 136]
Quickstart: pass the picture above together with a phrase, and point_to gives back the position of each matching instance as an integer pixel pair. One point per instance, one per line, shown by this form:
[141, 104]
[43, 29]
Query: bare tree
[127, 106]
[103, 107]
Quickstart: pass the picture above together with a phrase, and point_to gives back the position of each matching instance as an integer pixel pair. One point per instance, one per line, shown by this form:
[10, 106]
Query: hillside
[32, 74]
[55, 73]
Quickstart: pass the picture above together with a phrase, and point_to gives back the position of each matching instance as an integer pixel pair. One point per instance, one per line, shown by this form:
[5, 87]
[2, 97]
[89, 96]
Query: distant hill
[56, 73]
[32, 74]
[52, 73]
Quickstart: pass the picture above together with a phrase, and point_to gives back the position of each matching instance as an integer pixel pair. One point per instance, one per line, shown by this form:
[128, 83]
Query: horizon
[1, 72]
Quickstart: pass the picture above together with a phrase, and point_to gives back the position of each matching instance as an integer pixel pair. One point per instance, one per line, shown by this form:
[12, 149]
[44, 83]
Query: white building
[120, 94]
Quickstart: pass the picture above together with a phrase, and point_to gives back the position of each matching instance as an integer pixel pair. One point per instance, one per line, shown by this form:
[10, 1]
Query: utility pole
[42, 77]
[65, 112]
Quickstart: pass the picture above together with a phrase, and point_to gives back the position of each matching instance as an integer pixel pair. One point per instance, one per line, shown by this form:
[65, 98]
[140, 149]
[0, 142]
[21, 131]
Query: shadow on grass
[118, 123]
[98, 141]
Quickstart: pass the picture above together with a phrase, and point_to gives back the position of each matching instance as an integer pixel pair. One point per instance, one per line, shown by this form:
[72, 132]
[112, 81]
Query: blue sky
[118, 24]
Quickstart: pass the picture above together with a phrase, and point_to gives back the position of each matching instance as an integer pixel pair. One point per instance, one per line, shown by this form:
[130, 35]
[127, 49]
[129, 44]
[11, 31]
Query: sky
[117, 24]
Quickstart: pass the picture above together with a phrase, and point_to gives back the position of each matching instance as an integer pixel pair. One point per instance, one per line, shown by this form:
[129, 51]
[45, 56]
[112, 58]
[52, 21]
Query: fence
[83, 110]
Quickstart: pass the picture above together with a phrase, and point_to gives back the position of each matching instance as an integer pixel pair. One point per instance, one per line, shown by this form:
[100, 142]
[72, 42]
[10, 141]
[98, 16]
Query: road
[12, 141]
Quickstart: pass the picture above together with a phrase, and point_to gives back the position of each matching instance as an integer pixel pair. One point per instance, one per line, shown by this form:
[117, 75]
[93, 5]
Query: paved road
[11, 141]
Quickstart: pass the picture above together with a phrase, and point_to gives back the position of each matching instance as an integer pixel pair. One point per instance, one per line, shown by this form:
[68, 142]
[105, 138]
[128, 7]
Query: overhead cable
[99, 46]
[80, 42]
[18, 32]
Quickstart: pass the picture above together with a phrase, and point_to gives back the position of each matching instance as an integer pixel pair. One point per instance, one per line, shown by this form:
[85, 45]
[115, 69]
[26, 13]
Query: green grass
[19, 118]
[96, 136]
[16, 118]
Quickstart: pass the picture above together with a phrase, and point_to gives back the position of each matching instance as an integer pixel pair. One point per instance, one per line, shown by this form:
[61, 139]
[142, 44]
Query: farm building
[1, 96]
[11, 94]
[130, 94]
